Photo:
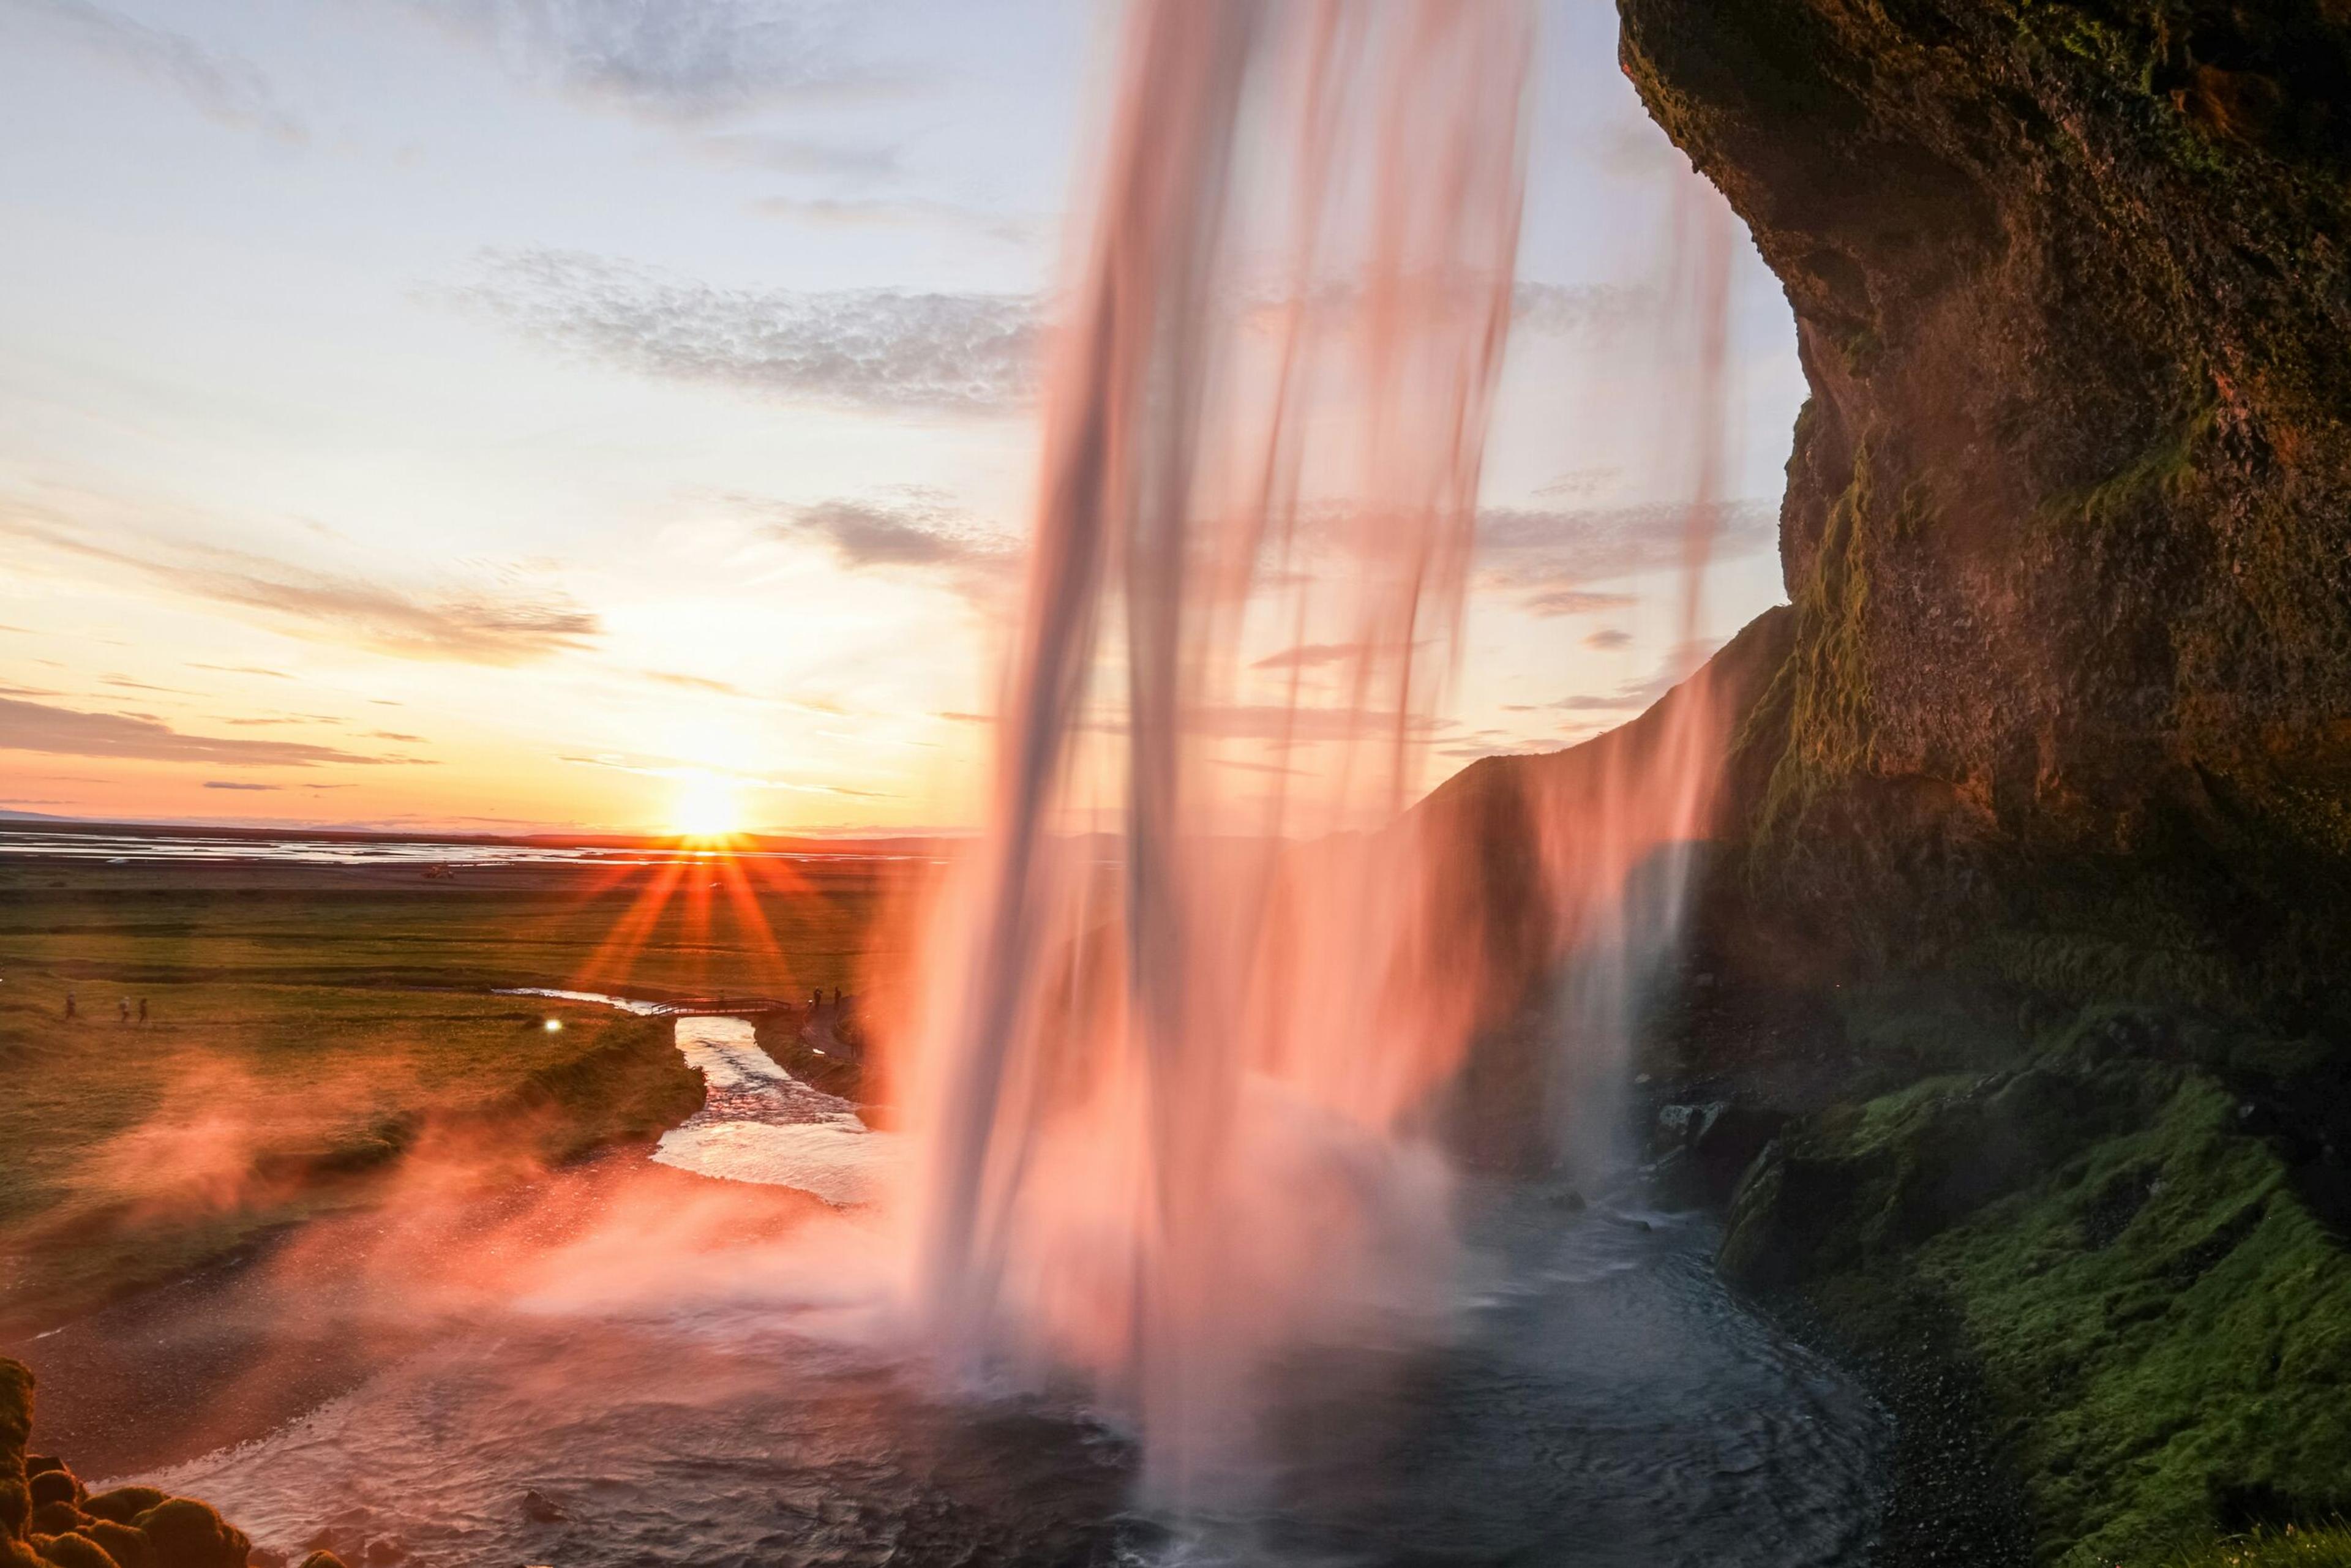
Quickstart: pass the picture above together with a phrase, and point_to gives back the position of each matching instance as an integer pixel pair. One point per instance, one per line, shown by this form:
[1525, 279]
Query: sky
[493, 416]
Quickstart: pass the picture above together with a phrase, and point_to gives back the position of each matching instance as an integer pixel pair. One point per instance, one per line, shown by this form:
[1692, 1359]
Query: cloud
[244, 670]
[1309, 655]
[224, 89]
[864, 349]
[1548, 557]
[671, 767]
[1566, 309]
[795, 155]
[226, 784]
[1281, 725]
[1608, 637]
[694, 682]
[503, 624]
[911, 530]
[1574, 601]
[392, 735]
[1677, 665]
[37, 726]
[127, 683]
[28, 692]
[901, 213]
[666, 59]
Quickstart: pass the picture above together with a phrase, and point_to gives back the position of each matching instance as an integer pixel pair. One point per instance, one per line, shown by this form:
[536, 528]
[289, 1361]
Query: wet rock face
[2068, 520]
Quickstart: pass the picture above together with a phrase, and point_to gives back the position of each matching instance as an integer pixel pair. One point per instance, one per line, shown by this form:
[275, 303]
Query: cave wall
[2068, 520]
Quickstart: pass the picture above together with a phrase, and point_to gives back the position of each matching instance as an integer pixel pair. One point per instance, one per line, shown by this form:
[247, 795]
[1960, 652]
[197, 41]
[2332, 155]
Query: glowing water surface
[1603, 1400]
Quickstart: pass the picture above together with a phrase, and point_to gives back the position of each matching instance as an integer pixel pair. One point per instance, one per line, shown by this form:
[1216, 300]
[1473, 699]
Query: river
[1603, 1400]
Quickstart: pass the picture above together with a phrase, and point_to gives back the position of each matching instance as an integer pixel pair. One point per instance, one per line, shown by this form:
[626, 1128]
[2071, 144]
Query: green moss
[2194, 1363]
[2160, 472]
[2163, 1329]
[2318, 1546]
[1829, 730]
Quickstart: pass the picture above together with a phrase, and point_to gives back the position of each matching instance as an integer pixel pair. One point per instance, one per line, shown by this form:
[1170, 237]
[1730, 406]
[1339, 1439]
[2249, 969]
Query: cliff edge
[2068, 521]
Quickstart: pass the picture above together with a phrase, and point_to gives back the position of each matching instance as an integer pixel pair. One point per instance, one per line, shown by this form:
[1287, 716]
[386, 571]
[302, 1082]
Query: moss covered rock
[2067, 528]
[16, 1432]
[61, 1525]
[126, 1544]
[74, 1550]
[122, 1504]
[55, 1485]
[2161, 1326]
[186, 1533]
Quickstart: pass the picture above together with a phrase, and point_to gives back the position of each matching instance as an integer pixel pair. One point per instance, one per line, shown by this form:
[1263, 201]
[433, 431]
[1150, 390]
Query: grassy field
[307, 1026]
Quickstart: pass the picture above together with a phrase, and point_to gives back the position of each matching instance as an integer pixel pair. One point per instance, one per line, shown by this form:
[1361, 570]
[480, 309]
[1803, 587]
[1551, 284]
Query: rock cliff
[2034, 894]
[2068, 521]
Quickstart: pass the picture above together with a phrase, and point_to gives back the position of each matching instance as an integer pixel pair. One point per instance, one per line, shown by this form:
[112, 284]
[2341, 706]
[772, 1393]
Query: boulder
[55, 1484]
[121, 1504]
[73, 1549]
[186, 1533]
[56, 1519]
[127, 1546]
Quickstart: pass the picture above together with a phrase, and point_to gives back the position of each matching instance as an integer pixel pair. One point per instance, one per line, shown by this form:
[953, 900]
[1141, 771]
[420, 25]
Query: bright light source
[705, 807]
[554, 1026]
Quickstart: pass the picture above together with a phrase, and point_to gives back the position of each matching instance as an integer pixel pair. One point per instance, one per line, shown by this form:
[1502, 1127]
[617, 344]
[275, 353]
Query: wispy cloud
[1565, 309]
[1548, 559]
[1677, 666]
[797, 155]
[38, 727]
[1575, 601]
[507, 622]
[684, 681]
[244, 670]
[670, 768]
[222, 87]
[1476, 751]
[904, 212]
[231, 784]
[1608, 638]
[694, 682]
[669, 59]
[865, 349]
[1309, 655]
[909, 530]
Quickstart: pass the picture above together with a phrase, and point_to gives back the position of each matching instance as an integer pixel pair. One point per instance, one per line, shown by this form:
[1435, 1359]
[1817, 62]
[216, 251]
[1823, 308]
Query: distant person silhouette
[69, 1004]
[816, 998]
[123, 1009]
[143, 1010]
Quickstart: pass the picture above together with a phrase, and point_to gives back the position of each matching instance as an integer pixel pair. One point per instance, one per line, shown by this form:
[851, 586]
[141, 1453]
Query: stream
[1605, 1400]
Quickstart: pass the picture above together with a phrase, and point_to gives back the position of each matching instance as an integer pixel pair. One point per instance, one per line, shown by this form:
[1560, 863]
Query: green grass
[303, 1038]
[2163, 1328]
[2320, 1546]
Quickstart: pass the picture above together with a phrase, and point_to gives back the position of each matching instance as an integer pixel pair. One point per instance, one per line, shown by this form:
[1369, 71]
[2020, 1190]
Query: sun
[705, 808]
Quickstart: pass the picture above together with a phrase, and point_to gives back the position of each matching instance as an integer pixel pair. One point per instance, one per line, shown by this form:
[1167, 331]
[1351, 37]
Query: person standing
[69, 1002]
[143, 1010]
[123, 1009]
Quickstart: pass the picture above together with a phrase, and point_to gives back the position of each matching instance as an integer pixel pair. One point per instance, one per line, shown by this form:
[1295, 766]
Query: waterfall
[1182, 1016]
